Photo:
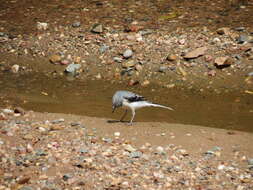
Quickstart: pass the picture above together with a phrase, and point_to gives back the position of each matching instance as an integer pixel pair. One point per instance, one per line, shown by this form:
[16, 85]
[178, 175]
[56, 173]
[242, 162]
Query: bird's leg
[133, 114]
[123, 116]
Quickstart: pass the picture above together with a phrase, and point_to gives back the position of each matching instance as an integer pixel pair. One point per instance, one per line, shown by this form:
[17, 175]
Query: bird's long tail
[158, 105]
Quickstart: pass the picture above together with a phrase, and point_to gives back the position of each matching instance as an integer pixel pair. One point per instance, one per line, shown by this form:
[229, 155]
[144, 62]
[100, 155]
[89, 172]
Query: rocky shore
[206, 57]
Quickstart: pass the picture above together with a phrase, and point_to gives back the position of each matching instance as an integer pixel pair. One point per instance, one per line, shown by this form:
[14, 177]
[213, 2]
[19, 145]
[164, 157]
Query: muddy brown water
[93, 98]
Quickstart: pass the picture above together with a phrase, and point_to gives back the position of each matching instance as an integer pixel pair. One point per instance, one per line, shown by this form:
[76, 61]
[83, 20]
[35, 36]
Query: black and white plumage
[132, 101]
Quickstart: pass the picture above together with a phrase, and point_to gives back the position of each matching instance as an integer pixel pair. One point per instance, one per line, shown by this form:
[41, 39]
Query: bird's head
[113, 108]
[117, 100]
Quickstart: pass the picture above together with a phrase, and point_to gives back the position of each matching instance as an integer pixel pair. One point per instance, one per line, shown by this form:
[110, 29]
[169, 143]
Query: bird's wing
[135, 98]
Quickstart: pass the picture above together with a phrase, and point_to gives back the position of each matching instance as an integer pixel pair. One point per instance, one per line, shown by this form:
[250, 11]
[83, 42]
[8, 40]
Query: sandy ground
[196, 139]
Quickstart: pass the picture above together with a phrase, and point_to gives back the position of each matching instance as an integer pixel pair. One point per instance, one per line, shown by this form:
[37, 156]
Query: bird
[131, 101]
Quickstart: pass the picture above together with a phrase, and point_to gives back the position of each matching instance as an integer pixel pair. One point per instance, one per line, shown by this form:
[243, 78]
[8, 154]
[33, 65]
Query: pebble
[221, 167]
[127, 64]
[146, 32]
[117, 134]
[8, 111]
[98, 76]
[163, 69]
[160, 150]
[240, 29]
[250, 161]
[42, 25]
[127, 53]
[145, 83]
[15, 68]
[242, 39]
[107, 140]
[138, 67]
[28, 137]
[55, 59]
[211, 73]
[132, 82]
[57, 121]
[250, 74]
[40, 152]
[76, 24]
[66, 177]
[129, 148]
[97, 28]
[23, 180]
[136, 154]
[64, 62]
[2, 34]
[72, 68]
[19, 110]
[117, 59]
[103, 48]
[223, 30]
[172, 57]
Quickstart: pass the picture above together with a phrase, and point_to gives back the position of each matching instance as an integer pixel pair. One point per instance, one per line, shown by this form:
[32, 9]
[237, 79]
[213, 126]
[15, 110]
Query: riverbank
[69, 151]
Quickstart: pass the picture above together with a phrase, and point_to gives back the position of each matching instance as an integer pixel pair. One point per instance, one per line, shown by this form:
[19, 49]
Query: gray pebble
[103, 48]
[240, 29]
[83, 150]
[40, 152]
[108, 140]
[76, 24]
[75, 124]
[250, 74]
[216, 148]
[72, 68]
[242, 39]
[2, 34]
[238, 57]
[146, 32]
[136, 154]
[128, 53]
[163, 69]
[66, 177]
[8, 111]
[57, 121]
[250, 161]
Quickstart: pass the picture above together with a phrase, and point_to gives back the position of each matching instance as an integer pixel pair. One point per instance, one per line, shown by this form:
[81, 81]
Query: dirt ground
[20, 17]
[59, 151]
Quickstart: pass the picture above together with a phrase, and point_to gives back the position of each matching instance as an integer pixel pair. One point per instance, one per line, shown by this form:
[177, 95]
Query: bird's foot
[130, 124]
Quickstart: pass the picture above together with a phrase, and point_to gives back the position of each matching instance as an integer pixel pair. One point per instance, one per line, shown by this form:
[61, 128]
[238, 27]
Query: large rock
[222, 62]
[195, 53]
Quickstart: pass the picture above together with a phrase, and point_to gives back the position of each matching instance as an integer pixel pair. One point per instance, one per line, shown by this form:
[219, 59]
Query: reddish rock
[222, 62]
[195, 53]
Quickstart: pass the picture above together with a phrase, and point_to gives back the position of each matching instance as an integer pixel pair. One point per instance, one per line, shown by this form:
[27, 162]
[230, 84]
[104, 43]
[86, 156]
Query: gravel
[76, 158]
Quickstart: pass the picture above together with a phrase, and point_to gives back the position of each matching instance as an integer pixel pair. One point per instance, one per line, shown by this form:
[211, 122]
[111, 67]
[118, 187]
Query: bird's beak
[113, 109]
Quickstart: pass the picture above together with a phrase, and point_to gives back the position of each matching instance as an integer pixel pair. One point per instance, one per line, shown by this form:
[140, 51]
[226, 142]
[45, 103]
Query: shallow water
[93, 98]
